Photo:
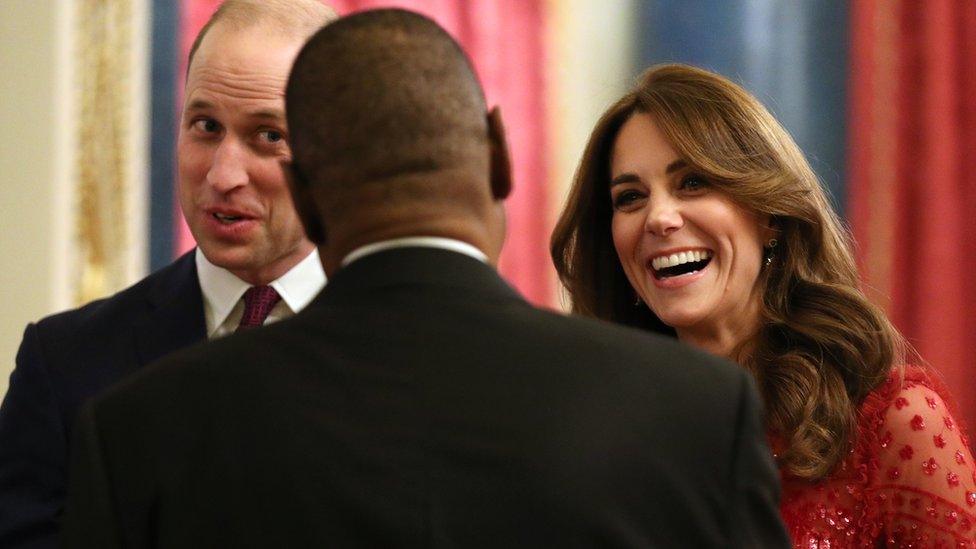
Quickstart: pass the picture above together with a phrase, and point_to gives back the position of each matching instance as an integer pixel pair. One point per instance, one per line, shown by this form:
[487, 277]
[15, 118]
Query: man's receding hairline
[273, 32]
[243, 15]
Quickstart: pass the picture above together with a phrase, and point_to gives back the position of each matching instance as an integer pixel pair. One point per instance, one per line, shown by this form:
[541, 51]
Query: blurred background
[881, 95]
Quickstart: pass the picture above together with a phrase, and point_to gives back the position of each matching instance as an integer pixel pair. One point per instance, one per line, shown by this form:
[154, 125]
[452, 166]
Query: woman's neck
[728, 337]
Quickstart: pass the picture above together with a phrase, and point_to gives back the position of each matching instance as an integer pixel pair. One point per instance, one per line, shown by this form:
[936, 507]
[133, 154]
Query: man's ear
[501, 166]
[301, 196]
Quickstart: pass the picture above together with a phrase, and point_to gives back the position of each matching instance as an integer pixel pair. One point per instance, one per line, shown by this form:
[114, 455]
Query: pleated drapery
[912, 185]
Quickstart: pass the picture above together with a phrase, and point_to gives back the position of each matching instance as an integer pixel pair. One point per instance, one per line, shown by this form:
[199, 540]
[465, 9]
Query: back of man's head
[388, 122]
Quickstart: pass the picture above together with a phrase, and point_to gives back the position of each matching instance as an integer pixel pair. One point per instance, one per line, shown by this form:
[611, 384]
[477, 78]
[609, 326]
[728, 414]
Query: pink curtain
[504, 40]
[193, 15]
[913, 175]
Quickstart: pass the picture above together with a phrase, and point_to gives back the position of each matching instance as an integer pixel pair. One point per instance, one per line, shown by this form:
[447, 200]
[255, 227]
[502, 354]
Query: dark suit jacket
[63, 360]
[419, 402]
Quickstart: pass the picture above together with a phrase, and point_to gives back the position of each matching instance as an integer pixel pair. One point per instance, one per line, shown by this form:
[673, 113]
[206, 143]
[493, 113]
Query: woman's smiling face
[691, 253]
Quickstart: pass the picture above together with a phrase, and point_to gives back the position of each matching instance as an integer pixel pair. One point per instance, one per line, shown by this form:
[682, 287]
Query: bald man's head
[390, 137]
[384, 93]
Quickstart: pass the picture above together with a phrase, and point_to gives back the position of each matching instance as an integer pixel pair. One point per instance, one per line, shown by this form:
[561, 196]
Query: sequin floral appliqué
[908, 482]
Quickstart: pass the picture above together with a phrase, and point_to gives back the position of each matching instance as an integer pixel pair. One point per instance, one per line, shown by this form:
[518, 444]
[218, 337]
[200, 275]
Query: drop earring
[770, 252]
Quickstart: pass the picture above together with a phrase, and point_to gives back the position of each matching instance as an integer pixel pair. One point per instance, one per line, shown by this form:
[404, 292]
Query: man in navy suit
[232, 139]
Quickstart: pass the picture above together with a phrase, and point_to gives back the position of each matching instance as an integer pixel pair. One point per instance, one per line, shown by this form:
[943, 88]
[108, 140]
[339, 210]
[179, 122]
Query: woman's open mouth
[681, 263]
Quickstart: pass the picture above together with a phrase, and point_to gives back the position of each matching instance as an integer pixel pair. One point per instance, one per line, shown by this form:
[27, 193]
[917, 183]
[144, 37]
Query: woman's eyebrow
[624, 178]
[675, 166]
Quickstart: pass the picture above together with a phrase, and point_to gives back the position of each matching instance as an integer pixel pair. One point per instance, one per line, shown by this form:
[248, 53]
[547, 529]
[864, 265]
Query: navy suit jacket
[64, 360]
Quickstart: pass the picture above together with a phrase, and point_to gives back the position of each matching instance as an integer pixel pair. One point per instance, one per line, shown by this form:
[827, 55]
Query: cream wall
[39, 113]
[34, 168]
[590, 64]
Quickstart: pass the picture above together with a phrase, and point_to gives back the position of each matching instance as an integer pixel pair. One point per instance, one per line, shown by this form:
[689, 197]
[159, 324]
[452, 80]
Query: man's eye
[207, 125]
[272, 136]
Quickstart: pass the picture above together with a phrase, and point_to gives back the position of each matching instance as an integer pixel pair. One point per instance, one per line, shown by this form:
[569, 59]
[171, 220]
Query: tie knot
[258, 302]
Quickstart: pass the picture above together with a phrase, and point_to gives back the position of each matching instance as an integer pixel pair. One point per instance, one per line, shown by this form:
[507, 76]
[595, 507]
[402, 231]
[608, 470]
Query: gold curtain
[104, 31]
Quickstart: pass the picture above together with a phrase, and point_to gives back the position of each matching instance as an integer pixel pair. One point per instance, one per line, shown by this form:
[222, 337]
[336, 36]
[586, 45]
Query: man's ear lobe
[301, 196]
[501, 166]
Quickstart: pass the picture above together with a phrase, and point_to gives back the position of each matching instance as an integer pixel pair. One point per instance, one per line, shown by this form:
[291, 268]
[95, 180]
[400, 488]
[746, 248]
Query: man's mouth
[227, 219]
[680, 263]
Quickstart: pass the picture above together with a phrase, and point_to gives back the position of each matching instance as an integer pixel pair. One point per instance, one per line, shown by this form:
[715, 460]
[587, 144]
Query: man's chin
[232, 258]
[250, 265]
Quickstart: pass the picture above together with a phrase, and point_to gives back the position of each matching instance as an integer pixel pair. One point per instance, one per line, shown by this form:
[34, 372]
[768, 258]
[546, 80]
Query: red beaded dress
[909, 480]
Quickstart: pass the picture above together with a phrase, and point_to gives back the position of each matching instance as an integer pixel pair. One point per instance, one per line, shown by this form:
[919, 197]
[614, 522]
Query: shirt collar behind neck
[415, 242]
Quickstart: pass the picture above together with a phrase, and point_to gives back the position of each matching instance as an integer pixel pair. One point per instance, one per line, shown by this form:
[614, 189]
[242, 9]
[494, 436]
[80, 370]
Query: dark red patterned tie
[258, 302]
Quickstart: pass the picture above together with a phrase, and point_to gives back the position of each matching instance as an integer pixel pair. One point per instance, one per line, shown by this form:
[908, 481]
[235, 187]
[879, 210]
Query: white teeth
[665, 261]
[226, 218]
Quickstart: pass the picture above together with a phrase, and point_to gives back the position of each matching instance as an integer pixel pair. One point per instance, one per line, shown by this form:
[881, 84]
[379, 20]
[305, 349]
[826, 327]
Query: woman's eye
[693, 183]
[206, 125]
[626, 198]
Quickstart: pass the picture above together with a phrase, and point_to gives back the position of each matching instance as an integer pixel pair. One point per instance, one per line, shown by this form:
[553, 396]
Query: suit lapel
[175, 318]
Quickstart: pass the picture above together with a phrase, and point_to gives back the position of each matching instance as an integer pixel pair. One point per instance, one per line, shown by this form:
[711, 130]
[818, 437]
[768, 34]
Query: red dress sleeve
[925, 485]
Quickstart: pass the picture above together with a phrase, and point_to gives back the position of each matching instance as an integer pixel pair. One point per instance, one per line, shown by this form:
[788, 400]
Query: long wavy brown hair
[820, 346]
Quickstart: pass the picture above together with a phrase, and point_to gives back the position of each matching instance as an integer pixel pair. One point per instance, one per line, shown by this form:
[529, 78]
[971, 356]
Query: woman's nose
[663, 217]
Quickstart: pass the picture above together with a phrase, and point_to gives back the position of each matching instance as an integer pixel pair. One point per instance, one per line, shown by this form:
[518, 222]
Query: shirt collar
[414, 242]
[302, 283]
[222, 290]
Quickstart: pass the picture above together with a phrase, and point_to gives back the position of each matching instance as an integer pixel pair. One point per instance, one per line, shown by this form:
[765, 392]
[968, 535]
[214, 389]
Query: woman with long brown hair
[694, 213]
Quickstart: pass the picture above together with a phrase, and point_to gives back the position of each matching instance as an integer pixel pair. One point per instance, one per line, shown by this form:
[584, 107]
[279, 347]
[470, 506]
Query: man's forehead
[259, 47]
[243, 69]
[204, 101]
[255, 110]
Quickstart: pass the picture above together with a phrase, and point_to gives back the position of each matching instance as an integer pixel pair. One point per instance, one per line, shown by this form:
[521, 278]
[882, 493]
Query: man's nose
[228, 169]
[663, 217]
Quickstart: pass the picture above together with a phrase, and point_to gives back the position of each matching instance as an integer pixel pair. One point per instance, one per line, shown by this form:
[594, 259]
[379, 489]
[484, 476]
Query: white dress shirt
[223, 305]
[415, 242]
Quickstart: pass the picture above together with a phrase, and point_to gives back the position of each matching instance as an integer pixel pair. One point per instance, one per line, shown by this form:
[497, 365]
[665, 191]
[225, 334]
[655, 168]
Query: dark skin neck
[460, 211]
[341, 243]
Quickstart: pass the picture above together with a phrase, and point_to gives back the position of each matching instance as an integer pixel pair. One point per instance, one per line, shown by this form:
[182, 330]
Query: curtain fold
[912, 187]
